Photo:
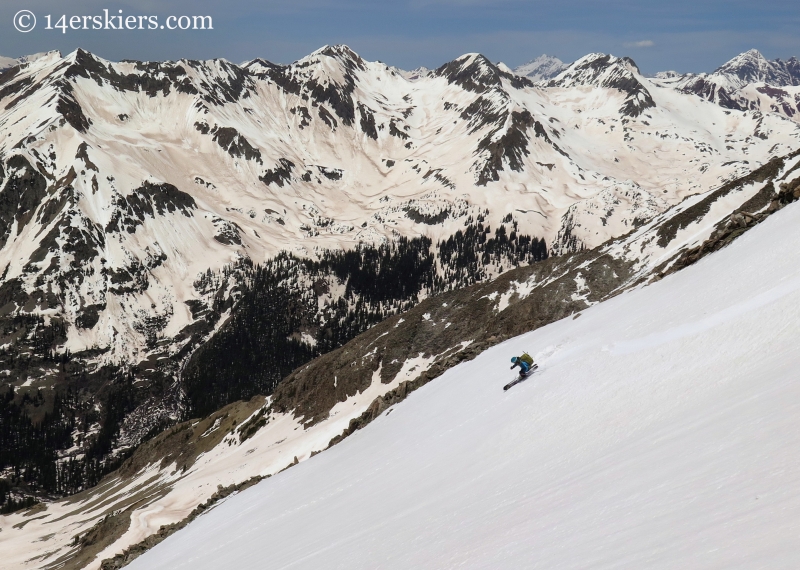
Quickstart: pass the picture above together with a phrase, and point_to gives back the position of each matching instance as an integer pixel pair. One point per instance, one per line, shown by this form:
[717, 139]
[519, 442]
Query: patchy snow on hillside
[660, 431]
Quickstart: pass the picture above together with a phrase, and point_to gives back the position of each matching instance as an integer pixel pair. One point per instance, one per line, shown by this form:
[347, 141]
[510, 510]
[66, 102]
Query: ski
[521, 377]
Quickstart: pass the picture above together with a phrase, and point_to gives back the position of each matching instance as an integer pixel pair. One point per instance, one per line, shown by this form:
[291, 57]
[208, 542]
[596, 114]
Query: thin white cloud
[640, 44]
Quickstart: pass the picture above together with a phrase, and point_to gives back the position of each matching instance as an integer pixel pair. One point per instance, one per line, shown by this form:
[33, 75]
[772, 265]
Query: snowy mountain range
[156, 217]
[748, 81]
[127, 181]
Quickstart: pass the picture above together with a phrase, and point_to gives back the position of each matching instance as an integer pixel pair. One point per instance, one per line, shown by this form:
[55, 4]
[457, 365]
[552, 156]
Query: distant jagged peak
[87, 64]
[542, 68]
[336, 65]
[81, 55]
[748, 67]
[611, 72]
[504, 68]
[415, 74]
[215, 81]
[259, 65]
[328, 76]
[474, 72]
[598, 69]
[339, 52]
[83, 62]
[9, 62]
[474, 58]
[749, 59]
[751, 67]
[669, 74]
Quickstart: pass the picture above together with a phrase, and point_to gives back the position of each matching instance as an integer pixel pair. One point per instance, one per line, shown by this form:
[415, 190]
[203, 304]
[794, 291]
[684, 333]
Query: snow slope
[660, 432]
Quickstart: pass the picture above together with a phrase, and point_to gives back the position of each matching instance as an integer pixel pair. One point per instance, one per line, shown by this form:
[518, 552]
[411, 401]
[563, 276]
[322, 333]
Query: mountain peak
[80, 54]
[260, 67]
[597, 69]
[475, 62]
[751, 57]
[340, 52]
[474, 72]
[542, 68]
[751, 67]
[606, 70]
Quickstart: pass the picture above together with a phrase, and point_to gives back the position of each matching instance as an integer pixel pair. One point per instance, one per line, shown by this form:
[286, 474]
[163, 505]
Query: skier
[525, 363]
[526, 367]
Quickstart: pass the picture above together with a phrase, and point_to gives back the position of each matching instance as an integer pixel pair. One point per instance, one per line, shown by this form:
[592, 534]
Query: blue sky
[684, 35]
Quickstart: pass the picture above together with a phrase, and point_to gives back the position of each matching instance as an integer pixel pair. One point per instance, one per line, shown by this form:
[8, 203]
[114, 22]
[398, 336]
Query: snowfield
[661, 431]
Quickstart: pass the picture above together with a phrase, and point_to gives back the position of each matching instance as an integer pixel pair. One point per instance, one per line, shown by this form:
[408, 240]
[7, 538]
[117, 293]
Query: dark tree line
[255, 348]
[283, 313]
[381, 281]
[36, 429]
[261, 342]
[466, 256]
[397, 270]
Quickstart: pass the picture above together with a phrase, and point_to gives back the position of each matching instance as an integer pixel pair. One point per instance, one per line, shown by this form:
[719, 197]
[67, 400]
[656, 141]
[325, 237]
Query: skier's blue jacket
[524, 362]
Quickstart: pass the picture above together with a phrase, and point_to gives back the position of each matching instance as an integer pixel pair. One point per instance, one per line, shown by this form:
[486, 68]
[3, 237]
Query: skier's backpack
[526, 358]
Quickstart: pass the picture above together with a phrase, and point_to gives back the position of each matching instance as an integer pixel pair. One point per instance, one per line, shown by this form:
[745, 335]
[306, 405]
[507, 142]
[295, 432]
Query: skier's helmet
[513, 359]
